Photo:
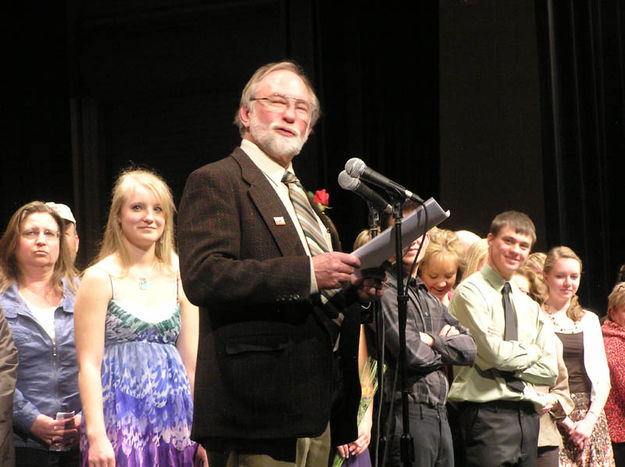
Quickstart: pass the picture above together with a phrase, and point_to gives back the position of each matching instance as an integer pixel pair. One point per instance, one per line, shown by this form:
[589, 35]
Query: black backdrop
[484, 105]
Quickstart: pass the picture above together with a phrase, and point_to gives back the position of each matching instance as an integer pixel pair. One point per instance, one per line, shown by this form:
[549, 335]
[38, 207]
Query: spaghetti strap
[112, 287]
[177, 293]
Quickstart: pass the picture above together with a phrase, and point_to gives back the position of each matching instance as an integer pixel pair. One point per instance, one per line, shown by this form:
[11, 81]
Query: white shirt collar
[272, 170]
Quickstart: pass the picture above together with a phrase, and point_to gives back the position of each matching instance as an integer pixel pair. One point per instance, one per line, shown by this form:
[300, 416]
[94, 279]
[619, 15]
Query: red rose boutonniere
[322, 199]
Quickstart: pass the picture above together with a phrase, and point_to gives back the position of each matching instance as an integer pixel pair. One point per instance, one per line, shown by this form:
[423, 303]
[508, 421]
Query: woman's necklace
[144, 283]
[144, 279]
[561, 322]
[551, 314]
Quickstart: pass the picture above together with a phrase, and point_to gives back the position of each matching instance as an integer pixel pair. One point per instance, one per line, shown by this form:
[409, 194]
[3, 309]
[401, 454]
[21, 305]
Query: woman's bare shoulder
[103, 270]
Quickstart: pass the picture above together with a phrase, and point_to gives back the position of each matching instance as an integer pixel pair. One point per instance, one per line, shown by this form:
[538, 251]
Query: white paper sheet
[372, 254]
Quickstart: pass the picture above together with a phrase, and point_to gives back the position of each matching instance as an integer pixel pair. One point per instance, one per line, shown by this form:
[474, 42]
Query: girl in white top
[587, 441]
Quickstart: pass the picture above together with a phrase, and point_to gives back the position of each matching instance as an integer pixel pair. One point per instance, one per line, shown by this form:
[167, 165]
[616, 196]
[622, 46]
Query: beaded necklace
[561, 322]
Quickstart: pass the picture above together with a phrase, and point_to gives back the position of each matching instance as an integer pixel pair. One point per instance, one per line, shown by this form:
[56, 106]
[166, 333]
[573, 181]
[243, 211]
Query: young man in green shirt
[496, 398]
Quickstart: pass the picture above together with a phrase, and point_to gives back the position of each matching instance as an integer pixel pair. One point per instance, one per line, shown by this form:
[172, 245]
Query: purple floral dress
[146, 395]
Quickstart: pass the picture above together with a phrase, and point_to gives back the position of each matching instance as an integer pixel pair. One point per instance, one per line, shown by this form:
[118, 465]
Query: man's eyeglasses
[35, 234]
[280, 103]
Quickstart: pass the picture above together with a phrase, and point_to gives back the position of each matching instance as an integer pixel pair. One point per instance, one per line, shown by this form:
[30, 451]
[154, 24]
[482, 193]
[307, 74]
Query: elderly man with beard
[261, 263]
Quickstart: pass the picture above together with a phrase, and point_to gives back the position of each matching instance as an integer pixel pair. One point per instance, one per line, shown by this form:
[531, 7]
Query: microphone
[353, 184]
[356, 168]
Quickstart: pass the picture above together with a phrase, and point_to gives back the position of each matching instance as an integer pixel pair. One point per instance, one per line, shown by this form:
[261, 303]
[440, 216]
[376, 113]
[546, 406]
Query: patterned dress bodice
[122, 326]
[146, 398]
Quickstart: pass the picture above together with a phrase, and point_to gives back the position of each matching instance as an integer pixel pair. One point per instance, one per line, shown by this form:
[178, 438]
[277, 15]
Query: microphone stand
[374, 220]
[406, 441]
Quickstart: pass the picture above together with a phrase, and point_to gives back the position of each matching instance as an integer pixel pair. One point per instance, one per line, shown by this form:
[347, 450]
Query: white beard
[274, 144]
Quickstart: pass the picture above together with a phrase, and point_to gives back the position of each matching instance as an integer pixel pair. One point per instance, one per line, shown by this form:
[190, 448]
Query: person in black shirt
[434, 339]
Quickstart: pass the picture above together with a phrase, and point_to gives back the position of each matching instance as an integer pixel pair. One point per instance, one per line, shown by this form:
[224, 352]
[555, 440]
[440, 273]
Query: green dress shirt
[477, 303]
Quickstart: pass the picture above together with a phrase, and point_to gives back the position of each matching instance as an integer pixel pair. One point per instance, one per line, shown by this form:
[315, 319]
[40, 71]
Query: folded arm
[474, 312]
[544, 370]
[420, 356]
[453, 343]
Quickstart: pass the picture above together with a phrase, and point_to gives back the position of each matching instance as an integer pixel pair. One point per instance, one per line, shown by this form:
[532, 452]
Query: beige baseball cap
[62, 210]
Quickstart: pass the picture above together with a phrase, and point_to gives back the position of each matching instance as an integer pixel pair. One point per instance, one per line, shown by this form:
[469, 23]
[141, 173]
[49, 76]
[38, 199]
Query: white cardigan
[595, 362]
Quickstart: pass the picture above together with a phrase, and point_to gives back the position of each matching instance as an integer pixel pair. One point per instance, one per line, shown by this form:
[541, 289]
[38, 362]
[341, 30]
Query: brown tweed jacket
[265, 363]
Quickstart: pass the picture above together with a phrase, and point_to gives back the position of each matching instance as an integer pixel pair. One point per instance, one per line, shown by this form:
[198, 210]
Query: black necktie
[510, 334]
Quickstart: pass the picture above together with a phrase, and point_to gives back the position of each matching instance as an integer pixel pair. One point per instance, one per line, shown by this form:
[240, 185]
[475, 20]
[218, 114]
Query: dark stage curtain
[582, 45]
[378, 68]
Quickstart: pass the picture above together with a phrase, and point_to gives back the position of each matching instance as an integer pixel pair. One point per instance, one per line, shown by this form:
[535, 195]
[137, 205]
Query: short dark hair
[519, 221]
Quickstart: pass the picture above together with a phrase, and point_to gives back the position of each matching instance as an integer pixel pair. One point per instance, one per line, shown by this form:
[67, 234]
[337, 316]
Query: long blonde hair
[9, 268]
[476, 254]
[575, 310]
[537, 287]
[113, 242]
[363, 237]
[536, 261]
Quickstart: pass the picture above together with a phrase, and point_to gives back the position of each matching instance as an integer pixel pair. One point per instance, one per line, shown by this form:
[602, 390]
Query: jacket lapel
[270, 207]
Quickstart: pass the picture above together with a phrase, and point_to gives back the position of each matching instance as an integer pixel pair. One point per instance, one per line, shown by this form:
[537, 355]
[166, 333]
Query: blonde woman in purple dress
[136, 336]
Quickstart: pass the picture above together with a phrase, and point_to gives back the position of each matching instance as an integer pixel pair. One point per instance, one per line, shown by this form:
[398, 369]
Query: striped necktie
[305, 214]
[310, 226]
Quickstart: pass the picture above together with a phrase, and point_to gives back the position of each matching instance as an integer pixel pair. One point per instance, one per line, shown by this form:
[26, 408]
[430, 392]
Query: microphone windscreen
[346, 182]
[355, 167]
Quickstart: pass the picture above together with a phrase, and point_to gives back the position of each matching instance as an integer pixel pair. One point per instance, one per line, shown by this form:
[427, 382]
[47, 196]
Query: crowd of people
[272, 358]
